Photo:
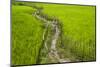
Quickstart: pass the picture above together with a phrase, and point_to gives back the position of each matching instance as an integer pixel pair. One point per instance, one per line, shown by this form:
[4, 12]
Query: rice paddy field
[78, 33]
[78, 28]
[26, 35]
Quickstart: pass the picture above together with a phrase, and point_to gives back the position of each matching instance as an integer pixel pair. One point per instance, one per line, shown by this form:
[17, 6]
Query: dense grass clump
[26, 35]
[78, 29]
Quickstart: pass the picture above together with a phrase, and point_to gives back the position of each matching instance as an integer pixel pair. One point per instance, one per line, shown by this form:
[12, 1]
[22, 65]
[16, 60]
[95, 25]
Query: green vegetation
[78, 29]
[26, 35]
[78, 32]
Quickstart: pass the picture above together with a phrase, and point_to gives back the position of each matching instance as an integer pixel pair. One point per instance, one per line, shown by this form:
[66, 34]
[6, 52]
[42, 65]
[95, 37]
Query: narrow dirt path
[54, 24]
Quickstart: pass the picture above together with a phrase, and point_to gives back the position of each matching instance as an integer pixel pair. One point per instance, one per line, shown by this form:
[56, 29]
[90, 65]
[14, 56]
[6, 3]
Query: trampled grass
[26, 36]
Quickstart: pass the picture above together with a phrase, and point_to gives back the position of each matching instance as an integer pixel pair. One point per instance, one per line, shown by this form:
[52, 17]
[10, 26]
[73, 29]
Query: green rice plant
[26, 36]
[78, 32]
[78, 28]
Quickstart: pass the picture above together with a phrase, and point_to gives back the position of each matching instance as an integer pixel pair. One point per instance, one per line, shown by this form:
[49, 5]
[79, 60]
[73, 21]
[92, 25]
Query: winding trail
[55, 29]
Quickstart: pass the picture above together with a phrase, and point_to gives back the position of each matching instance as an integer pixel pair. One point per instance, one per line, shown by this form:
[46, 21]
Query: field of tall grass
[78, 32]
[78, 29]
[26, 35]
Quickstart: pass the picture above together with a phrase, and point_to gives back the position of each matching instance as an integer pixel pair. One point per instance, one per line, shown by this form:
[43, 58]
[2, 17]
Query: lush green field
[78, 32]
[78, 29]
[26, 35]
